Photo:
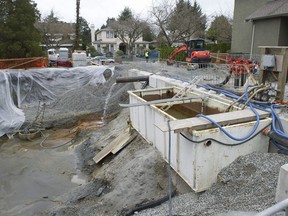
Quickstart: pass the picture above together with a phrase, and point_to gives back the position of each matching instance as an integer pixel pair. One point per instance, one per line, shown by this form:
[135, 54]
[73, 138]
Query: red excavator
[195, 52]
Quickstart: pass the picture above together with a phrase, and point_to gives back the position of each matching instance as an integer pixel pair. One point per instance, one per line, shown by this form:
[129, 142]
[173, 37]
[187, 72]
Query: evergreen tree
[220, 30]
[18, 36]
[147, 33]
[125, 15]
[85, 33]
[51, 18]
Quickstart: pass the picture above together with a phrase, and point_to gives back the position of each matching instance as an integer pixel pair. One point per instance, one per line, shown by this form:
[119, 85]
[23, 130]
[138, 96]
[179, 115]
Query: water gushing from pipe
[107, 102]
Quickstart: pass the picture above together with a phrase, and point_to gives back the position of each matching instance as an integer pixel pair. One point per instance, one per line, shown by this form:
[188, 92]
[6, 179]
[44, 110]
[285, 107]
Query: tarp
[29, 87]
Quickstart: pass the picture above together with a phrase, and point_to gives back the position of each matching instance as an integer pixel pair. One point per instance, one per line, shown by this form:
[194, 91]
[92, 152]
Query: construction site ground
[56, 175]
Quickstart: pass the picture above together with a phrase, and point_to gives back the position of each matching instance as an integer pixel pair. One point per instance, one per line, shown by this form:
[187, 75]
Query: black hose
[225, 81]
[151, 204]
[280, 140]
[221, 88]
[226, 144]
[132, 79]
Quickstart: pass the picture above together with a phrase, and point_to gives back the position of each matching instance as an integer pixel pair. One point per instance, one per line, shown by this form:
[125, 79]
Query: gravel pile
[86, 100]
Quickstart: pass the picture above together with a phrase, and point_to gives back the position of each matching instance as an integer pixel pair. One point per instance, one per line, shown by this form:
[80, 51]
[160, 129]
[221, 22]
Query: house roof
[274, 8]
[104, 29]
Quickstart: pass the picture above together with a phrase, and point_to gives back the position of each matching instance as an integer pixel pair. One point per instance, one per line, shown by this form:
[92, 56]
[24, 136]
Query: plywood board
[198, 123]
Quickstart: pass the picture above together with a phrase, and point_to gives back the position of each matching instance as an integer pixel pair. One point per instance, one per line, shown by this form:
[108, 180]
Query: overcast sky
[97, 11]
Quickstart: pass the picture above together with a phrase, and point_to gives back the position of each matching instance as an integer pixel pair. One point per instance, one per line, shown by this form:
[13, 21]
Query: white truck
[52, 56]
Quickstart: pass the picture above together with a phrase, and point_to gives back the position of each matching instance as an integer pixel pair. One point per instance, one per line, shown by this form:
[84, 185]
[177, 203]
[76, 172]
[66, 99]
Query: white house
[105, 41]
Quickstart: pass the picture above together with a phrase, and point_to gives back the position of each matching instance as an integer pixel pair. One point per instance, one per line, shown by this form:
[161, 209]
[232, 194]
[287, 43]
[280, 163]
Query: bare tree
[128, 28]
[162, 14]
[47, 27]
[180, 21]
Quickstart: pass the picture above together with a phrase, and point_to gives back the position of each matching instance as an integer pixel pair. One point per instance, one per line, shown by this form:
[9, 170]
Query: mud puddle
[34, 173]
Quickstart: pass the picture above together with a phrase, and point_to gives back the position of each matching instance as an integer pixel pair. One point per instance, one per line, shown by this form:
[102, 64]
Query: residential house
[259, 23]
[106, 41]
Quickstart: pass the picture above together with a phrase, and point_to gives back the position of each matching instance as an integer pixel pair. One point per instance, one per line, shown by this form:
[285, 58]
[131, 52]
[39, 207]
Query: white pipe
[252, 41]
[275, 209]
[92, 28]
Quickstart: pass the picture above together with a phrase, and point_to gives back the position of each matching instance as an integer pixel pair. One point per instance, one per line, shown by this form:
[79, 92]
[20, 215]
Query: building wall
[283, 39]
[242, 30]
[266, 33]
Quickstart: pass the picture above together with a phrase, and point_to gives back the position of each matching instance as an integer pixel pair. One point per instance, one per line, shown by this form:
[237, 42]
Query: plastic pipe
[132, 79]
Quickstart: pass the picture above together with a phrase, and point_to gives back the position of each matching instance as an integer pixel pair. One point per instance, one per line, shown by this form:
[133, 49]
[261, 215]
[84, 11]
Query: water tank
[79, 59]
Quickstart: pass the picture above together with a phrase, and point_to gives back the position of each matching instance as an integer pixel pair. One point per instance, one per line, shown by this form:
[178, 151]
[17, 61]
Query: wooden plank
[124, 143]
[109, 148]
[196, 123]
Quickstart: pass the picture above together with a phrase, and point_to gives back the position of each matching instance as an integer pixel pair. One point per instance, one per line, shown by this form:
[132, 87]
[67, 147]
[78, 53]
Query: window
[109, 34]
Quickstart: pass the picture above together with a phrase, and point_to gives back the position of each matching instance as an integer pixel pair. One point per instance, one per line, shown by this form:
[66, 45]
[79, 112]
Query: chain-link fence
[212, 73]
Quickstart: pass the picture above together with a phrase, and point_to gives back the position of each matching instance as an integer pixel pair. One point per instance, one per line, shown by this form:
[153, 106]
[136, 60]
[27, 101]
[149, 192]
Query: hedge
[165, 52]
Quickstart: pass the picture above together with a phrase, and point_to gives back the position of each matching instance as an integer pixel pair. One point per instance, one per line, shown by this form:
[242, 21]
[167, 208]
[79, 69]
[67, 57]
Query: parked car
[102, 60]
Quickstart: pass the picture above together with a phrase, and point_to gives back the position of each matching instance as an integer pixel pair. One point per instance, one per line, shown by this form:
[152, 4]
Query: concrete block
[282, 186]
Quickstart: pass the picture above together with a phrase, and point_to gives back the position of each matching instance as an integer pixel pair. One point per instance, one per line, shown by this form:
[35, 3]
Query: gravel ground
[248, 184]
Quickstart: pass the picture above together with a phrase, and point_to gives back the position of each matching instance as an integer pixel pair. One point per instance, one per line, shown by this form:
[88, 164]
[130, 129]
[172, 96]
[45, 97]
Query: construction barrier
[23, 63]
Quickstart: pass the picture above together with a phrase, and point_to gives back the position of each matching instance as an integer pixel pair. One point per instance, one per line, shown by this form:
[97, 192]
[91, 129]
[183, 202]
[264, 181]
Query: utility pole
[77, 27]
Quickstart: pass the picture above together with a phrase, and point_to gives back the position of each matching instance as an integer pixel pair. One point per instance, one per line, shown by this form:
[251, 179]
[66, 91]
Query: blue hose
[277, 122]
[277, 126]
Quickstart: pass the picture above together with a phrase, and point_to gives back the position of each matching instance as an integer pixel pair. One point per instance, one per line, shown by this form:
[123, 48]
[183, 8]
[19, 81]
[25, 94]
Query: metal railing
[279, 207]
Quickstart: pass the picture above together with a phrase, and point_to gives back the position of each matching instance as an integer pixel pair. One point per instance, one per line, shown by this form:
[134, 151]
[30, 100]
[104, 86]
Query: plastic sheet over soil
[11, 118]
[21, 88]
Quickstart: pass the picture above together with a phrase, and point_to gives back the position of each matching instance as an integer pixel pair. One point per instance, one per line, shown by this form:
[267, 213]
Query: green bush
[222, 48]
[119, 53]
[165, 52]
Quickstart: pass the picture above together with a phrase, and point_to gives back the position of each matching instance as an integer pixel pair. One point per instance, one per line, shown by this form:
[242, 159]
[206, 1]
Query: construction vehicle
[195, 52]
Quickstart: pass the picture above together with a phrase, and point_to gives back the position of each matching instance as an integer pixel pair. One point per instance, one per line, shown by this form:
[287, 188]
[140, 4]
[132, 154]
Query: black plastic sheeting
[29, 87]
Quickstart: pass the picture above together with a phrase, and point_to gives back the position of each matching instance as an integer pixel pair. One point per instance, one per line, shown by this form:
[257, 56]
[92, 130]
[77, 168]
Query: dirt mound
[135, 175]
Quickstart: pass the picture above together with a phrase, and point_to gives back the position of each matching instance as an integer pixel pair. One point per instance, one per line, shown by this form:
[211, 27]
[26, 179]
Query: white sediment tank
[63, 54]
[79, 59]
[198, 162]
